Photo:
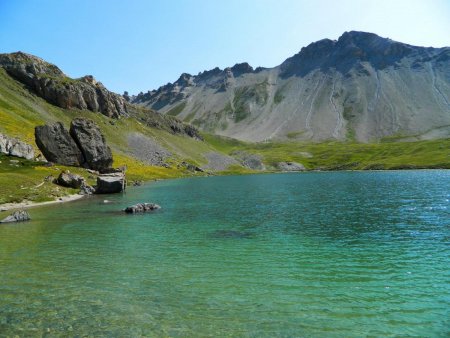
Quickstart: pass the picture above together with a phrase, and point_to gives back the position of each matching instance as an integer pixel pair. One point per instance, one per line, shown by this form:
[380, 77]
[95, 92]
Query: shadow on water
[231, 234]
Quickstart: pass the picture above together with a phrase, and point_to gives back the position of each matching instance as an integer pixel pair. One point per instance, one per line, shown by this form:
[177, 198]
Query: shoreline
[70, 198]
[31, 204]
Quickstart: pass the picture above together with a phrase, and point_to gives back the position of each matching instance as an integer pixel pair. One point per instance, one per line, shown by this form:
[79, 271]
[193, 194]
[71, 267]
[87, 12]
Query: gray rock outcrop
[290, 166]
[86, 189]
[69, 180]
[14, 147]
[142, 207]
[97, 155]
[251, 161]
[50, 83]
[111, 183]
[17, 216]
[57, 145]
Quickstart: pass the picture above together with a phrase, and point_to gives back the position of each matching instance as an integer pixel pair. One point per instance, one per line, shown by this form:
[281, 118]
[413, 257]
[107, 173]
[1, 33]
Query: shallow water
[343, 254]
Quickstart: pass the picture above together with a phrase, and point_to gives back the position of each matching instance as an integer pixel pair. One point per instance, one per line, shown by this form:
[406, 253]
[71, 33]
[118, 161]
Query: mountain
[361, 87]
[151, 145]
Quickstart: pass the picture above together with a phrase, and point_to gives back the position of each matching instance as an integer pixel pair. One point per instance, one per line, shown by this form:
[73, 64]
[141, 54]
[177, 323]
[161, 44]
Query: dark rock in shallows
[14, 147]
[57, 146]
[142, 207]
[231, 234]
[87, 135]
[17, 216]
[67, 179]
[110, 184]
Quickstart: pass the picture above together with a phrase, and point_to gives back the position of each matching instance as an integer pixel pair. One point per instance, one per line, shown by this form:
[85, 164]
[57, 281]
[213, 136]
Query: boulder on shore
[17, 216]
[57, 146]
[86, 189]
[14, 147]
[110, 184]
[69, 180]
[97, 155]
[141, 207]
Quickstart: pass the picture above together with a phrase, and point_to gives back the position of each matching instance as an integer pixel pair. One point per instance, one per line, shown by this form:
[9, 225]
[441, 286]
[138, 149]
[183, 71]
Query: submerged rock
[17, 216]
[142, 207]
[230, 234]
[111, 183]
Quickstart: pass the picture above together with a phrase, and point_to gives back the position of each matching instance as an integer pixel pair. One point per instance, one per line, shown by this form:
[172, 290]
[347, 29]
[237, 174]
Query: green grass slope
[21, 111]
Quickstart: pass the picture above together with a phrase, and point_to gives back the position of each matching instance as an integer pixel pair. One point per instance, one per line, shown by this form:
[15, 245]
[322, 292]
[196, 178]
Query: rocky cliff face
[49, 82]
[361, 87]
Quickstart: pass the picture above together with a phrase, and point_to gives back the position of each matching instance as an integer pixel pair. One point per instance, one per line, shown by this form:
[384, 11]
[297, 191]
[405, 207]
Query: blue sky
[139, 45]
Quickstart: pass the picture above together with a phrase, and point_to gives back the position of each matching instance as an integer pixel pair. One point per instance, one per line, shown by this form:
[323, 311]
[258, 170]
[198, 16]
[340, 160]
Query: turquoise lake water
[343, 254]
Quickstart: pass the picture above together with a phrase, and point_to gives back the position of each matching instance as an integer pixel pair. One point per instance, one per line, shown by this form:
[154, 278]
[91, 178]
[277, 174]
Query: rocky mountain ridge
[49, 82]
[85, 93]
[360, 87]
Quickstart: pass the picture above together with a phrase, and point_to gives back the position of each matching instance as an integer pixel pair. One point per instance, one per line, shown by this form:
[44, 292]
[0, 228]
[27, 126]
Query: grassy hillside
[346, 155]
[21, 111]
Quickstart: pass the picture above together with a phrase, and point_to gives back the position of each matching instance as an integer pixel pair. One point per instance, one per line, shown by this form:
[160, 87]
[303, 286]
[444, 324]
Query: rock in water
[110, 184]
[57, 146]
[67, 179]
[17, 216]
[87, 135]
[290, 166]
[14, 147]
[142, 207]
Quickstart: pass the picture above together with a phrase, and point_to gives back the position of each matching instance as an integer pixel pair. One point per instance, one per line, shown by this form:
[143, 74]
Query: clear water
[345, 254]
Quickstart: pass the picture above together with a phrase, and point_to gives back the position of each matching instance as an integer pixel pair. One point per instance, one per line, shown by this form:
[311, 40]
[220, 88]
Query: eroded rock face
[49, 82]
[14, 147]
[57, 145]
[97, 155]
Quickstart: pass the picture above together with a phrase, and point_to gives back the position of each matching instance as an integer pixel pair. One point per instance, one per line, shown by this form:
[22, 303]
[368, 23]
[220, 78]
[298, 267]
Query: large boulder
[97, 155]
[69, 180]
[14, 147]
[57, 146]
[17, 216]
[110, 184]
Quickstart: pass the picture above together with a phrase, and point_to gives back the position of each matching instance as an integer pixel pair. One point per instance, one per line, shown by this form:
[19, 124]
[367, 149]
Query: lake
[326, 254]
